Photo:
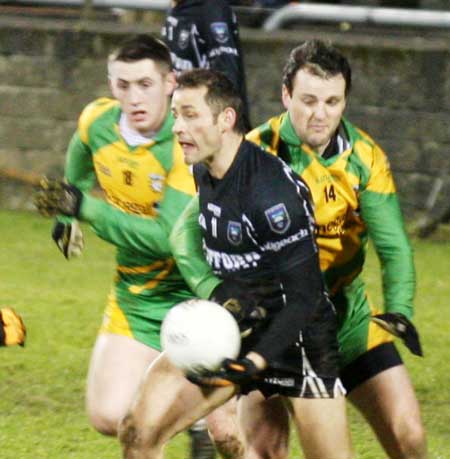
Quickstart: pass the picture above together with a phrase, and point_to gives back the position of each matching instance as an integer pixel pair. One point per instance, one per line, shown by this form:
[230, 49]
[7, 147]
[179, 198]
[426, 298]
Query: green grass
[42, 385]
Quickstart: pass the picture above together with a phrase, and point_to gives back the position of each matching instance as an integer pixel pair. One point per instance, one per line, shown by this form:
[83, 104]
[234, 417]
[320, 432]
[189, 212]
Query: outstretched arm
[186, 248]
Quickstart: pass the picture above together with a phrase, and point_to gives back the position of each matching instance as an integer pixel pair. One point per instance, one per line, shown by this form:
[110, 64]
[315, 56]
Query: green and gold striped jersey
[144, 182]
[354, 197]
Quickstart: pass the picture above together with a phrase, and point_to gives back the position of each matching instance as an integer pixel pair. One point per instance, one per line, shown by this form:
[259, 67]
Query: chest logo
[183, 39]
[220, 31]
[156, 182]
[278, 218]
[234, 232]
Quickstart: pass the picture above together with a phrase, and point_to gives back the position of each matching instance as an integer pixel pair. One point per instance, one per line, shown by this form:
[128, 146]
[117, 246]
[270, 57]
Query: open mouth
[138, 115]
[185, 145]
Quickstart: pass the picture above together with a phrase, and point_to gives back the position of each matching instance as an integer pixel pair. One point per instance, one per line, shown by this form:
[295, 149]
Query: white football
[198, 334]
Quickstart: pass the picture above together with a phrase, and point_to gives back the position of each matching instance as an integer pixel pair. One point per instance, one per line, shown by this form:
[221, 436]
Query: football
[197, 335]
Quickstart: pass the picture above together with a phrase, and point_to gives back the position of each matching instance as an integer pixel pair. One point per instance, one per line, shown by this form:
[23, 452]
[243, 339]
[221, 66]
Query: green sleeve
[133, 232]
[186, 247]
[79, 169]
[383, 217]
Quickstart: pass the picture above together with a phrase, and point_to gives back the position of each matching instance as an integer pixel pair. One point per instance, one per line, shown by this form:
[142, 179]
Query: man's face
[196, 128]
[143, 92]
[315, 106]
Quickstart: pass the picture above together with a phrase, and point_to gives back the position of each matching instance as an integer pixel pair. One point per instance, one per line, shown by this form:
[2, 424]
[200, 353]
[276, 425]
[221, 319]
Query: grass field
[42, 385]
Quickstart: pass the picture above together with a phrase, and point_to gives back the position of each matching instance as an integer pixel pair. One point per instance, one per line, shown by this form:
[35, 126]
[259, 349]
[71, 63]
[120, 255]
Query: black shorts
[369, 364]
[307, 369]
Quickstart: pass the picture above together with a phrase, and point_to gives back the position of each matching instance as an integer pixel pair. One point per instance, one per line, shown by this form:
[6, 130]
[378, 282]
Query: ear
[285, 97]
[170, 83]
[227, 119]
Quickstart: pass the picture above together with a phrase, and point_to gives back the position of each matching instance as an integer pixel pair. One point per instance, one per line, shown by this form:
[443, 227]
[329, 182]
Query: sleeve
[380, 210]
[147, 235]
[285, 233]
[221, 43]
[79, 168]
[186, 248]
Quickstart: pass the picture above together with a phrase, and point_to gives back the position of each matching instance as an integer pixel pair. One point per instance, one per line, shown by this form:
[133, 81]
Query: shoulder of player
[363, 144]
[264, 169]
[95, 110]
[267, 134]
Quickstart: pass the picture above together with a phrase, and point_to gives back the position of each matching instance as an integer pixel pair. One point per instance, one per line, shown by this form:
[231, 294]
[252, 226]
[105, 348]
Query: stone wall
[49, 69]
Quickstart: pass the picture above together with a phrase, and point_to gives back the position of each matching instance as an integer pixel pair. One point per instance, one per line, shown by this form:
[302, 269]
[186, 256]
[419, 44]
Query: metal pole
[357, 14]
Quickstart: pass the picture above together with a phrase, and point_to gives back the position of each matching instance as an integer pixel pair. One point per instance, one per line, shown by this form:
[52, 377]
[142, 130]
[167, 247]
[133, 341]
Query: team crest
[234, 232]
[220, 31]
[156, 182]
[183, 39]
[278, 218]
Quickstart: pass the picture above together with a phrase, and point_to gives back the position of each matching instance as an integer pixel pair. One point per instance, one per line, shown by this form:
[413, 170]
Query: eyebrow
[140, 80]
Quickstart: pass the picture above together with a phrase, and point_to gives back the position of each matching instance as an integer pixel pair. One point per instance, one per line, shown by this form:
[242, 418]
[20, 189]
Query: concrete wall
[50, 69]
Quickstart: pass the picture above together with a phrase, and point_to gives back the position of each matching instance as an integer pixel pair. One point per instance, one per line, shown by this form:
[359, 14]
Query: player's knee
[267, 451]
[104, 423]
[411, 440]
[135, 437]
[227, 439]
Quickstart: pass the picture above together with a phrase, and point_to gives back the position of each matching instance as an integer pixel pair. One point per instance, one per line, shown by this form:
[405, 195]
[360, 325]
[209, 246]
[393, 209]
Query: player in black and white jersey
[257, 225]
[205, 34]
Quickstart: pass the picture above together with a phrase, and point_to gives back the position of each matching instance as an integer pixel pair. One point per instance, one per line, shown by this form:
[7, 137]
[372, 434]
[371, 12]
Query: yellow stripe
[275, 126]
[114, 320]
[141, 269]
[376, 334]
[136, 289]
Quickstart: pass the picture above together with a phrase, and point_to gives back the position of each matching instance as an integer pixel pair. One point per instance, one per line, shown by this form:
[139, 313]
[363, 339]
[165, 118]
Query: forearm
[186, 248]
[386, 229]
[142, 234]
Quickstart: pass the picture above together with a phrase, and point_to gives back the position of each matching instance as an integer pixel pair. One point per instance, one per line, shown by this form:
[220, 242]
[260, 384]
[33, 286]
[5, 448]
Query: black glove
[402, 327]
[57, 197]
[69, 238]
[233, 372]
[12, 328]
[243, 300]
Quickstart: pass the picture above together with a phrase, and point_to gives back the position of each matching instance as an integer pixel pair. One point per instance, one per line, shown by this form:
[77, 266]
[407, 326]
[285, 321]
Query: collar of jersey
[290, 137]
[165, 133]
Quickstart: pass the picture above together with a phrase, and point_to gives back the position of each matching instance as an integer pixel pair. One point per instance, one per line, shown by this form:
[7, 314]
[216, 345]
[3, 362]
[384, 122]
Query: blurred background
[53, 62]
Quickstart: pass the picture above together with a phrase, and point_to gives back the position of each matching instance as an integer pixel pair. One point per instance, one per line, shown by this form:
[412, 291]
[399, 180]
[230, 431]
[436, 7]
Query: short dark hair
[143, 46]
[319, 58]
[220, 92]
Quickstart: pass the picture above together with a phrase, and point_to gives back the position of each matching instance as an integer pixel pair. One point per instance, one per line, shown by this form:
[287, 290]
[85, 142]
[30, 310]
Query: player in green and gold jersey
[355, 199]
[126, 145]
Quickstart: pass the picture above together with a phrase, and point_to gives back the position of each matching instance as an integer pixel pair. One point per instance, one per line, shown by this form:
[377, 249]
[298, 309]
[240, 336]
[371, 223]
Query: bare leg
[117, 366]
[266, 426]
[224, 428]
[167, 403]
[389, 404]
[323, 428]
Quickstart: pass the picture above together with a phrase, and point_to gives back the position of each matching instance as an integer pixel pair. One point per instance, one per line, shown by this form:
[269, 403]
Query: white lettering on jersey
[216, 210]
[222, 50]
[221, 261]
[276, 246]
[181, 64]
[202, 221]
